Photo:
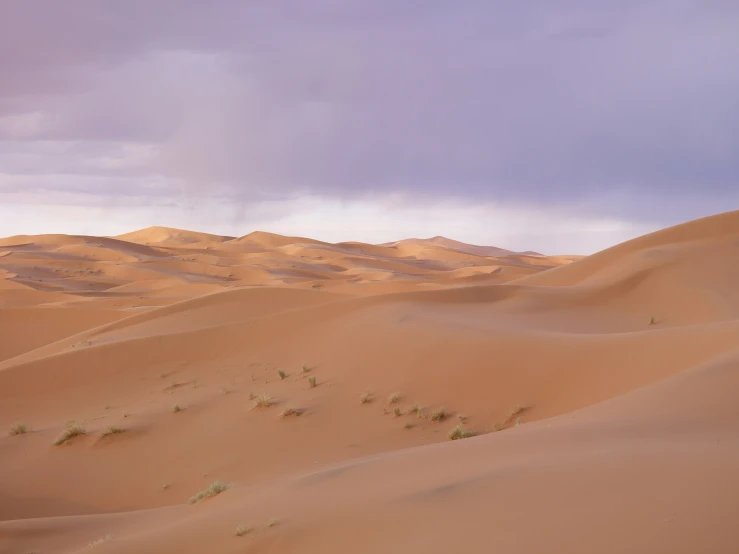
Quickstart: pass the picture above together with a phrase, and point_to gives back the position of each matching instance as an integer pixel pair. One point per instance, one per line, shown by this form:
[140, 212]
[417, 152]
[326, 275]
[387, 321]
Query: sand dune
[602, 393]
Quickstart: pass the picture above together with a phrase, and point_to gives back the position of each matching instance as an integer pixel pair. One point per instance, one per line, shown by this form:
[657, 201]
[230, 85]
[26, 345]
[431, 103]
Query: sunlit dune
[176, 391]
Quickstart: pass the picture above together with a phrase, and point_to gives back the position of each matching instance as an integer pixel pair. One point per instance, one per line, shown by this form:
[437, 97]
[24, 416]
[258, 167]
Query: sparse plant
[214, 489]
[366, 398]
[165, 486]
[72, 430]
[252, 396]
[272, 522]
[462, 418]
[518, 410]
[652, 321]
[394, 398]
[18, 429]
[438, 415]
[291, 411]
[518, 421]
[282, 374]
[415, 409]
[397, 411]
[177, 408]
[264, 400]
[312, 381]
[460, 432]
[101, 540]
[224, 390]
[112, 430]
[242, 530]
[304, 369]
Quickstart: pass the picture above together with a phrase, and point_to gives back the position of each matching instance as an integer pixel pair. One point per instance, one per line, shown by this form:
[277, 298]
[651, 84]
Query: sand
[602, 394]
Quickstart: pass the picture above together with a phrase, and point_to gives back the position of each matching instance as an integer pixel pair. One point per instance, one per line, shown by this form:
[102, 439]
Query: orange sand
[596, 430]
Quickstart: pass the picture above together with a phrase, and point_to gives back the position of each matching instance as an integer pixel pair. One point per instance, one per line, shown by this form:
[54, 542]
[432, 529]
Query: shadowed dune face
[323, 382]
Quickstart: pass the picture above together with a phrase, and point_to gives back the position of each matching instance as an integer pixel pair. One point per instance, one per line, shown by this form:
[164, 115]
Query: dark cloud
[619, 107]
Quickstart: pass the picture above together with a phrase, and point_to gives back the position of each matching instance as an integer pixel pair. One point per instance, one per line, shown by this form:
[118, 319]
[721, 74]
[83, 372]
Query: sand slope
[603, 393]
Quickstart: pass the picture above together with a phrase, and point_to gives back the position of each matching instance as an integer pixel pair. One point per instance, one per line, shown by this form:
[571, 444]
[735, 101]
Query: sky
[561, 126]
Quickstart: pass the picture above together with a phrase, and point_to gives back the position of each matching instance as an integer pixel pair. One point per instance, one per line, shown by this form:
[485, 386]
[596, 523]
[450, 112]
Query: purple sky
[555, 125]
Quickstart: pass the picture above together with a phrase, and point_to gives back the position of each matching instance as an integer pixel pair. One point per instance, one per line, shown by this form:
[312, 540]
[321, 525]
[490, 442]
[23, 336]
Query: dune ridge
[601, 393]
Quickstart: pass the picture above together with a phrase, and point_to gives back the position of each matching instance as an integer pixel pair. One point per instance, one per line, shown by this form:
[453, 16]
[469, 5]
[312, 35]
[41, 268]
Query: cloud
[622, 111]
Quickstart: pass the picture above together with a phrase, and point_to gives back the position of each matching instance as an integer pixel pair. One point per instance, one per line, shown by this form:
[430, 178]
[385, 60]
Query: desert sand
[598, 397]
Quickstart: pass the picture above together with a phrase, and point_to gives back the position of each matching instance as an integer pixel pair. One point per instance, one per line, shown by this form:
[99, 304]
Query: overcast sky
[561, 126]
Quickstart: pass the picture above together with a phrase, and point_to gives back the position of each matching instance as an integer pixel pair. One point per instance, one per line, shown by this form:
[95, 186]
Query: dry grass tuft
[366, 398]
[397, 411]
[460, 432]
[214, 489]
[305, 369]
[112, 430]
[394, 398]
[290, 411]
[72, 430]
[415, 409]
[282, 374]
[438, 415]
[101, 540]
[18, 429]
[312, 382]
[264, 400]
[272, 522]
[242, 530]
[177, 408]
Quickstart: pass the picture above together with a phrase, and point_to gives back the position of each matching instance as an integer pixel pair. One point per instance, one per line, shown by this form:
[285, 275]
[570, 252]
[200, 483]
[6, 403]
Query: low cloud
[613, 111]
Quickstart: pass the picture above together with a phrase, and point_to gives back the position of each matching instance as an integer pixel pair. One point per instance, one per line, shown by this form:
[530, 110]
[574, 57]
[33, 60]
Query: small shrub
[165, 486]
[290, 411]
[460, 432]
[394, 398]
[272, 522]
[242, 530]
[438, 414]
[366, 398]
[415, 409]
[214, 489]
[518, 421]
[252, 396]
[72, 430]
[312, 382]
[397, 411]
[18, 429]
[652, 321]
[518, 410]
[177, 408]
[264, 400]
[112, 430]
[304, 369]
[282, 374]
[100, 541]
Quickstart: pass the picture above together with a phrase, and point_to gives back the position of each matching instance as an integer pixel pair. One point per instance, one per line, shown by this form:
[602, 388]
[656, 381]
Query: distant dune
[321, 383]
